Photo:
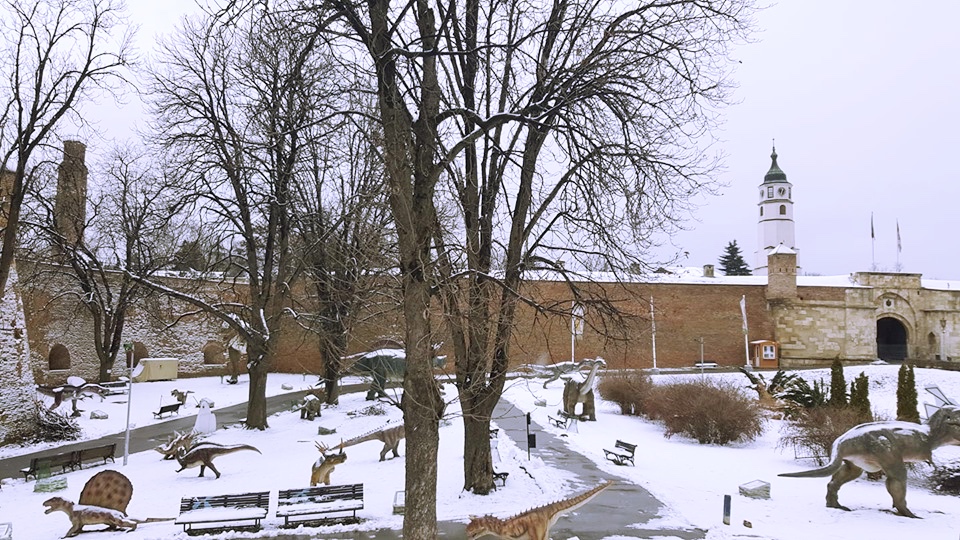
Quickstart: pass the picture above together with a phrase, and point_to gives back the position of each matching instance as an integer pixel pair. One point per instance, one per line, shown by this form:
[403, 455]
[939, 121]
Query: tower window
[770, 191]
[761, 211]
[783, 209]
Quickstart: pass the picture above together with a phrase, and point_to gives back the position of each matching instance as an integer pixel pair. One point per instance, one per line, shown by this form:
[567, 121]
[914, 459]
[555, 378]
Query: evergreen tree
[838, 385]
[732, 263]
[907, 395]
[860, 397]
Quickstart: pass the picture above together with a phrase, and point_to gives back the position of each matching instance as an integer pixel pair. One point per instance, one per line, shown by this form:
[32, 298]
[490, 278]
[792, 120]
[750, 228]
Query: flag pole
[898, 245]
[873, 248]
[653, 336]
[746, 342]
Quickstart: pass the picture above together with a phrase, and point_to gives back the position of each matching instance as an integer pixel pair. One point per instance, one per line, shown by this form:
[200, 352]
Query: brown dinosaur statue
[533, 524]
[574, 392]
[180, 396]
[324, 466]
[203, 454]
[390, 436]
[886, 446]
[74, 392]
[179, 441]
[81, 515]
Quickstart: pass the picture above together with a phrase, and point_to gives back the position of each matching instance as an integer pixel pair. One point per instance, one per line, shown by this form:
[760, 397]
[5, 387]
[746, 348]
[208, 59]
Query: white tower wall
[775, 225]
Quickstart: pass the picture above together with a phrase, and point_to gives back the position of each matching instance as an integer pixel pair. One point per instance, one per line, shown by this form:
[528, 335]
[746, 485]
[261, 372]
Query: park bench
[115, 388]
[173, 408]
[104, 452]
[223, 512]
[501, 476]
[564, 420]
[319, 502]
[618, 457]
[63, 460]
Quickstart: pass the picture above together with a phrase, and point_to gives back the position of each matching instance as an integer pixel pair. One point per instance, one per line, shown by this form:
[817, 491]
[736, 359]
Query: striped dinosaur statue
[390, 436]
[533, 524]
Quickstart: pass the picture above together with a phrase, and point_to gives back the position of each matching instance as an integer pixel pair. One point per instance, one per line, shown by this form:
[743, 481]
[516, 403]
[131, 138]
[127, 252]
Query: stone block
[98, 415]
[757, 489]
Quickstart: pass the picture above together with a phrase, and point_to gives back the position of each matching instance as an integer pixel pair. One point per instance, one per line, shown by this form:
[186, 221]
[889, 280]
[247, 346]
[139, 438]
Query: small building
[766, 353]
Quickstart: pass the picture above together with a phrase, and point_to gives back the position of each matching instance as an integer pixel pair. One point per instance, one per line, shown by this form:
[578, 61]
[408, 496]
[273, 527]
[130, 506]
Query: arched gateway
[891, 340]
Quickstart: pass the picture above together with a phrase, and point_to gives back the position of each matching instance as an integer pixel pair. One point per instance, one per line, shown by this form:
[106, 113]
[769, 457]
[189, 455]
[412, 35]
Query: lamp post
[700, 341]
[128, 349]
[943, 344]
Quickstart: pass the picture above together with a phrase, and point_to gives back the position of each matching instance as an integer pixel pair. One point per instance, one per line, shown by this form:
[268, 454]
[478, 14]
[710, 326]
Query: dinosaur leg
[202, 468]
[396, 452]
[214, 469]
[848, 471]
[75, 529]
[383, 453]
[897, 487]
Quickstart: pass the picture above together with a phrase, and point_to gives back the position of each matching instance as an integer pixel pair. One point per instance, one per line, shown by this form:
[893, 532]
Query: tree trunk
[106, 366]
[257, 396]
[477, 457]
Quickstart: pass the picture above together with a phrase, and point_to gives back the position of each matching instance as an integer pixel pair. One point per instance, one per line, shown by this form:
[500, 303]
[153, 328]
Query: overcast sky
[862, 99]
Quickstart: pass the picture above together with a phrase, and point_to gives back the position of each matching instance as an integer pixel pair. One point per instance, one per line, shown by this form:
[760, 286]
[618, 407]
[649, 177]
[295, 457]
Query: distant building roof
[775, 174]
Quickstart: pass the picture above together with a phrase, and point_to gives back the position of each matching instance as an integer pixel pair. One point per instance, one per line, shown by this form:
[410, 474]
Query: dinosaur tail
[826, 470]
[152, 520]
[237, 447]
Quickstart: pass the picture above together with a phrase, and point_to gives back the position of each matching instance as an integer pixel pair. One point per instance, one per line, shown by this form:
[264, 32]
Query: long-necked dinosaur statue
[76, 391]
[574, 392]
[533, 524]
[203, 454]
[886, 446]
[390, 436]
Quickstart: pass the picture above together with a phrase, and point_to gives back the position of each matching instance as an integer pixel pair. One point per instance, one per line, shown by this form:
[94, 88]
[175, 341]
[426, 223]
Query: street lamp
[943, 335]
[700, 340]
[128, 349]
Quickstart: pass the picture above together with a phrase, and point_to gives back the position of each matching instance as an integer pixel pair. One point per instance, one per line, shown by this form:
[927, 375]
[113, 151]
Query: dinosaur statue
[179, 441]
[388, 362]
[553, 372]
[574, 392]
[320, 472]
[181, 397]
[390, 436]
[103, 501]
[74, 390]
[886, 446]
[533, 524]
[203, 454]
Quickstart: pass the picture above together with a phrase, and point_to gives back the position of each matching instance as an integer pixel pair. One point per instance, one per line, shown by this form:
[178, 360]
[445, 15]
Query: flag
[899, 247]
[576, 321]
[871, 226]
[743, 311]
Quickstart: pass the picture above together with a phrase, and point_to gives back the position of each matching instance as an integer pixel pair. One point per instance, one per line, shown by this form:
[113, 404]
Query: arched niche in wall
[59, 357]
[139, 351]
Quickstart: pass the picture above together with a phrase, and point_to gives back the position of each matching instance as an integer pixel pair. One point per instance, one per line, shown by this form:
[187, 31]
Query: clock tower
[775, 225]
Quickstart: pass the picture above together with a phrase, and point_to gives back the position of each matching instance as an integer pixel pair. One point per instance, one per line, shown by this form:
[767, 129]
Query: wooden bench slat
[621, 458]
[319, 501]
[224, 509]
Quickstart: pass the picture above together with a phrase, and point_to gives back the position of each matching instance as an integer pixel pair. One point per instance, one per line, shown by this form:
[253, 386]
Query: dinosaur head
[945, 426]
[54, 504]
[481, 526]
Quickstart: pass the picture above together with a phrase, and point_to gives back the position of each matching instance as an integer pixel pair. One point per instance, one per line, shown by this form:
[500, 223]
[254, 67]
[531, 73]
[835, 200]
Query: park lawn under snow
[691, 479]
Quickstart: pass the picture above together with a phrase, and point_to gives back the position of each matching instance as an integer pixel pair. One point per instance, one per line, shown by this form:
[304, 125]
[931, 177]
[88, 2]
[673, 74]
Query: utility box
[156, 369]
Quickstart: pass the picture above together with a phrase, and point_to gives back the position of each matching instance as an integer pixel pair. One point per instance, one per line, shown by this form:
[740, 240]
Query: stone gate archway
[891, 340]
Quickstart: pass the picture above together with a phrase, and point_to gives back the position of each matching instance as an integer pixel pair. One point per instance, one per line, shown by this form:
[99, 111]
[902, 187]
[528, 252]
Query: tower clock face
[782, 191]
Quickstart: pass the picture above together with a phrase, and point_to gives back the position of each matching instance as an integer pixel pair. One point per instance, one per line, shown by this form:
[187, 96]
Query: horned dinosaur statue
[391, 437]
[203, 454]
[103, 501]
[533, 524]
[323, 467]
[574, 392]
[179, 441]
[76, 389]
[886, 446]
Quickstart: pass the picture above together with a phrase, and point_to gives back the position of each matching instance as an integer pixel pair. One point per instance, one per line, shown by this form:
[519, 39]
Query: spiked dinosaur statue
[574, 392]
[179, 441]
[203, 454]
[533, 524]
[323, 467]
[390, 436]
[886, 446]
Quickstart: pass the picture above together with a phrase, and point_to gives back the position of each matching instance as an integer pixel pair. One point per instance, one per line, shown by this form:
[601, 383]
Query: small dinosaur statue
[324, 466]
[73, 392]
[203, 454]
[180, 396]
[582, 392]
[886, 446]
[84, 514]
[533, 524]
[390, 436]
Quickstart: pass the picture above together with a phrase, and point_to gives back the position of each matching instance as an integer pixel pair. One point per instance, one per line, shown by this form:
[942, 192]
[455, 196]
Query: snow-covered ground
[691, 479]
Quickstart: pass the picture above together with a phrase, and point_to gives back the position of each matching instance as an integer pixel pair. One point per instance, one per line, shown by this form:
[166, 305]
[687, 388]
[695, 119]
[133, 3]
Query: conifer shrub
[709, 411]
[907, 395]
[629, 390]
[838, 385]
[860, 397]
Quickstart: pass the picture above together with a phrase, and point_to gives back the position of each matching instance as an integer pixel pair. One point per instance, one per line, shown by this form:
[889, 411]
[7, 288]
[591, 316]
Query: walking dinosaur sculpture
[390, 436]
[886, 446]
[203, 454]
[574, 392]
[179, 441]
[75, 389]
[533, 524]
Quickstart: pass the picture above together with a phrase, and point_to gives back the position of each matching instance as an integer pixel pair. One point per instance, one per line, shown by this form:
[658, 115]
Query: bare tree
[57, 54]
[624, 96]
[235, 104]
[127, 234]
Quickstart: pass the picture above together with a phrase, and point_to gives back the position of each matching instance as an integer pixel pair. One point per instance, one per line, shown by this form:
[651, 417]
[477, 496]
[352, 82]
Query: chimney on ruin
[708, 270]
[70, 205]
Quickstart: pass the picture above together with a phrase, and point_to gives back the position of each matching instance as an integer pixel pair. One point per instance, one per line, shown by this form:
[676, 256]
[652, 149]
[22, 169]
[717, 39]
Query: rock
[98, 415]
[286, 386]
[324, 431]
[540, 403]
[747, 524]
[758, 489]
